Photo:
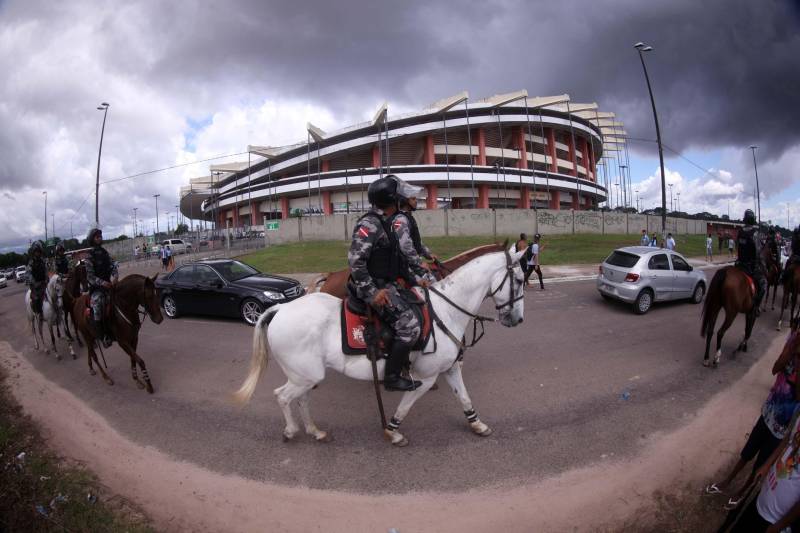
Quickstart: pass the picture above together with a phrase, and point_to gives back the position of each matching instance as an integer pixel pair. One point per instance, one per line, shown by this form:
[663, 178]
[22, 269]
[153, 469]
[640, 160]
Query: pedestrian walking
[645, 240]
[709, 248]
[164, 258]
[654, 240]
[170, 259]
[670, 242]
[533, 262]
[522, 244]
[731, 246]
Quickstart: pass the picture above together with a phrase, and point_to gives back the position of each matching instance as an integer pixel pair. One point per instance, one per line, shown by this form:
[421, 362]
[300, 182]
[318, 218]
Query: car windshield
[622, 259]
[234, 270]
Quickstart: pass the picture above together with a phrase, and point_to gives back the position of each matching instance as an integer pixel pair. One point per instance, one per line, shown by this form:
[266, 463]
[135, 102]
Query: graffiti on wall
[555, 219]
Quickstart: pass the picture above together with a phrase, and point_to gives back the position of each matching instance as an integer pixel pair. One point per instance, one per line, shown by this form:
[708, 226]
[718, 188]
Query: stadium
[505, 151]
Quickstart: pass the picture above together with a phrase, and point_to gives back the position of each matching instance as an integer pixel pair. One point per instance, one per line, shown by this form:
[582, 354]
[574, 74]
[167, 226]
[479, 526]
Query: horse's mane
[468, 255]
[130, 282]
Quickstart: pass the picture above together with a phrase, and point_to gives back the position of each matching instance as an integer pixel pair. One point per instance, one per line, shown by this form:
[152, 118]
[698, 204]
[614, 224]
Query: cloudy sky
[189, 81]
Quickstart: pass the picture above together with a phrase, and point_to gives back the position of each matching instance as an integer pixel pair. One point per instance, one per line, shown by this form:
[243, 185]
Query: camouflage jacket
[92, 276]
[402, 230]
[36, 274]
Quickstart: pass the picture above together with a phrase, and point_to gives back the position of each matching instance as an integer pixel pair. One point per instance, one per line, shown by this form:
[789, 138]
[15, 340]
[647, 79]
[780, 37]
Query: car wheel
[699, 292]
[170, 307]
[251, 309]
[643, 302]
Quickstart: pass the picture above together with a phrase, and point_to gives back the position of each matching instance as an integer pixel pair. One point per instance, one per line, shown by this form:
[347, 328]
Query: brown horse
[791, 287]
[123, 323]
[773, 275]
[729, 290]
[74, 283]
[335, 283]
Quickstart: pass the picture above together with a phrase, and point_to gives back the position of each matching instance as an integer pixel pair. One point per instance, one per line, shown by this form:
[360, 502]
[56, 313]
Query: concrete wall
[490, 223]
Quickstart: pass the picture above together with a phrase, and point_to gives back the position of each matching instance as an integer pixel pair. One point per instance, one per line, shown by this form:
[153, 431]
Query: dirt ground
[605, 496]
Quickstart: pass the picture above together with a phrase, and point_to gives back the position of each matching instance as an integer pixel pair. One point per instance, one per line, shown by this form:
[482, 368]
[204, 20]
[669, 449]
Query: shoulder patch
[397, 224]
[363, 232]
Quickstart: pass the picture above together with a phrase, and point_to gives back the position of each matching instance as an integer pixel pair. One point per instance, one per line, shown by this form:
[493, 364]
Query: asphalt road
[580, 381]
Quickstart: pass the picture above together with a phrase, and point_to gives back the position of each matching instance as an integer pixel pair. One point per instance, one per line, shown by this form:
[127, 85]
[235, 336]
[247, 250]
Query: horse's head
[506, 289]
[150, 300]
[55, 291]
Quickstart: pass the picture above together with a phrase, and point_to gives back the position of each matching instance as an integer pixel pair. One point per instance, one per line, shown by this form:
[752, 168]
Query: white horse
[304, 337]
[52, 305]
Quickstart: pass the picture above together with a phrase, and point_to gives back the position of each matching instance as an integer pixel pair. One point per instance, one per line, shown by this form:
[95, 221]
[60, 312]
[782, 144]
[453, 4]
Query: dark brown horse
[791, 287]
[123, 323]
[75, 283]
[773, 275]
[729, 290]
[335, 283]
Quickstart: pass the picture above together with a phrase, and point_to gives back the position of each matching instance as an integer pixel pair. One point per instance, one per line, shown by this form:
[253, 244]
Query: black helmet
[92, 233]
[404, 189]
[383, 192]
[36, 245]
[749, 217]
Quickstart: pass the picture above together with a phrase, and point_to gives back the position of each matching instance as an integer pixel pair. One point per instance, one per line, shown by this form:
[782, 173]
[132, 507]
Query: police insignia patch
[397, 224]
[364, 232]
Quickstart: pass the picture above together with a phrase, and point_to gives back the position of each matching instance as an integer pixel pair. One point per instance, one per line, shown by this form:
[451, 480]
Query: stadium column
[555, 199]
[376, 156]
[522, 163]
[483, 196]
[284, 207]
[429, 156]
[255, 213]
[584, 155]
[591, 168]
[235, 215]
[327, 206]
[572, 157]
[431, 201]
[481, 147]
[551, 148]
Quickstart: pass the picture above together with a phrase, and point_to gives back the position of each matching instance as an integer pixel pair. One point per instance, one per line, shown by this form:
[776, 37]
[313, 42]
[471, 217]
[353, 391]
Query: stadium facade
[505, 151]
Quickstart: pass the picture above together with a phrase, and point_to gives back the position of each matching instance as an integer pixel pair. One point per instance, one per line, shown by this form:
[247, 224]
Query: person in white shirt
[709, 248]
[731, 245]
[645, 241]
[533, 262]
[670, 242]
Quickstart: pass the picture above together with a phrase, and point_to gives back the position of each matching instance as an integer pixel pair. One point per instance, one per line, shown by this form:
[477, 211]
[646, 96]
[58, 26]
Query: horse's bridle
[509, 276]
[476, 318]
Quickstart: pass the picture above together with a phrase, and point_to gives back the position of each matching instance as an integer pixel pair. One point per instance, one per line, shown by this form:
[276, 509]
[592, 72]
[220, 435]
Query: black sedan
[224, 287]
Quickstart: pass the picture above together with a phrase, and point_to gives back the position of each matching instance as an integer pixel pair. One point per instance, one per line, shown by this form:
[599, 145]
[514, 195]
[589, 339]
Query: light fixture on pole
[156, 197]
[104, 108]
[45, 216]
[758, 190]
[637, 199]
[641, 47]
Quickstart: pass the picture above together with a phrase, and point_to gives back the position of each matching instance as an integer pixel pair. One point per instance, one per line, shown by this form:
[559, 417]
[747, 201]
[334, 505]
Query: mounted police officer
[99, 270]
[772, 244]
[376, 264]
[62, 263]
[36, 276]
[749, 258]
[408, 204]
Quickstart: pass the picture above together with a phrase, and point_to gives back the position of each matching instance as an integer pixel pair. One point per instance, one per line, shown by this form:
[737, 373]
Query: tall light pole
[758, 190]
[53, 217]
[104, 108]
[641, 47]
[624, 182]
[637, 199]
[679, 201]
[45, 216]
[134, 221]
[671, 207]
[156, 197]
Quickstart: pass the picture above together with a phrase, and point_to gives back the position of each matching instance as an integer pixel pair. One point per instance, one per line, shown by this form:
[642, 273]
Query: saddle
[354, 322]
[87, 310]
[750, 282]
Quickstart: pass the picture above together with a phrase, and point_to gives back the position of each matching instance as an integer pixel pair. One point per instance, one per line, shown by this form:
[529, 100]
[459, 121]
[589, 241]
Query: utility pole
[758, 190]
[156, 197]
[102, 107]
[45, 216]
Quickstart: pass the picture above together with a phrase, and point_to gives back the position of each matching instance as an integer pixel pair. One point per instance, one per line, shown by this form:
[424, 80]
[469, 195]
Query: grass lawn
[324, 256]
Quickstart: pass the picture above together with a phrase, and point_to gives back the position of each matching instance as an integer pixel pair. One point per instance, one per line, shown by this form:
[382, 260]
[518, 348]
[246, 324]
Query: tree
[181, 229]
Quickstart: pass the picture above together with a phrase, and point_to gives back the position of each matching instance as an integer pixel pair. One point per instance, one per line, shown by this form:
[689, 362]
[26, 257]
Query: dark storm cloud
[724, 72]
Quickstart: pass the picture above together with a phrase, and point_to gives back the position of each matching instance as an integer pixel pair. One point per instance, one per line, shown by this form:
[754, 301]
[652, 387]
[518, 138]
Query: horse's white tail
[260, 357]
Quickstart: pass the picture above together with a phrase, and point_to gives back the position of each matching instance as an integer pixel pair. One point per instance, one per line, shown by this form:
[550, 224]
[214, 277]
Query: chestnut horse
[335, 283]
[74, 283]
[773, 274]
[123, 323]
[791, 286]
[729, 290]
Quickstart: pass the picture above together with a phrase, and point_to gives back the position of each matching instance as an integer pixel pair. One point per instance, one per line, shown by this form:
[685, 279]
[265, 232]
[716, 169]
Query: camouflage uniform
[36, 279]
[370, 239]
[99, 268]
[750, 260]
[62, 265]
[416, 238]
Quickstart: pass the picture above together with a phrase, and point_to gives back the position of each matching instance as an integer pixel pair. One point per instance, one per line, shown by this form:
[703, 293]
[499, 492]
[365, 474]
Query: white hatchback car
[641, 275]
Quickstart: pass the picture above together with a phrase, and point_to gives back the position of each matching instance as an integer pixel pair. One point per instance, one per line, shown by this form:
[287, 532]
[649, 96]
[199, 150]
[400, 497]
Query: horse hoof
[58, 357]
[149, 388]
[139, 384]
[109, 381]
[287, 438]
[325, 438]
[481, 429]
[395, 437]
[706, 363]
[92, 372]
[402, 443]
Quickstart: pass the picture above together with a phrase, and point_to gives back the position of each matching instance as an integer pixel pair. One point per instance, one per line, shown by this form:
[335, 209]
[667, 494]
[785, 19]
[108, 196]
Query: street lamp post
[45, 216]
[758, 190]
[637, 199]
[671, 208]
[156, 197]
[678, 194]
[640, 47]
[104, 108]
[134, 221]
[624, 183]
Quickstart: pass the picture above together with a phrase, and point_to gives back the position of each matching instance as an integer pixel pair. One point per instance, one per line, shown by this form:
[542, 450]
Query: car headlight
[274, 295]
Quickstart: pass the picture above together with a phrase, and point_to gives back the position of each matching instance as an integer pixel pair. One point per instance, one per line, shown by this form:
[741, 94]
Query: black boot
[398, 358]
[101, 333]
